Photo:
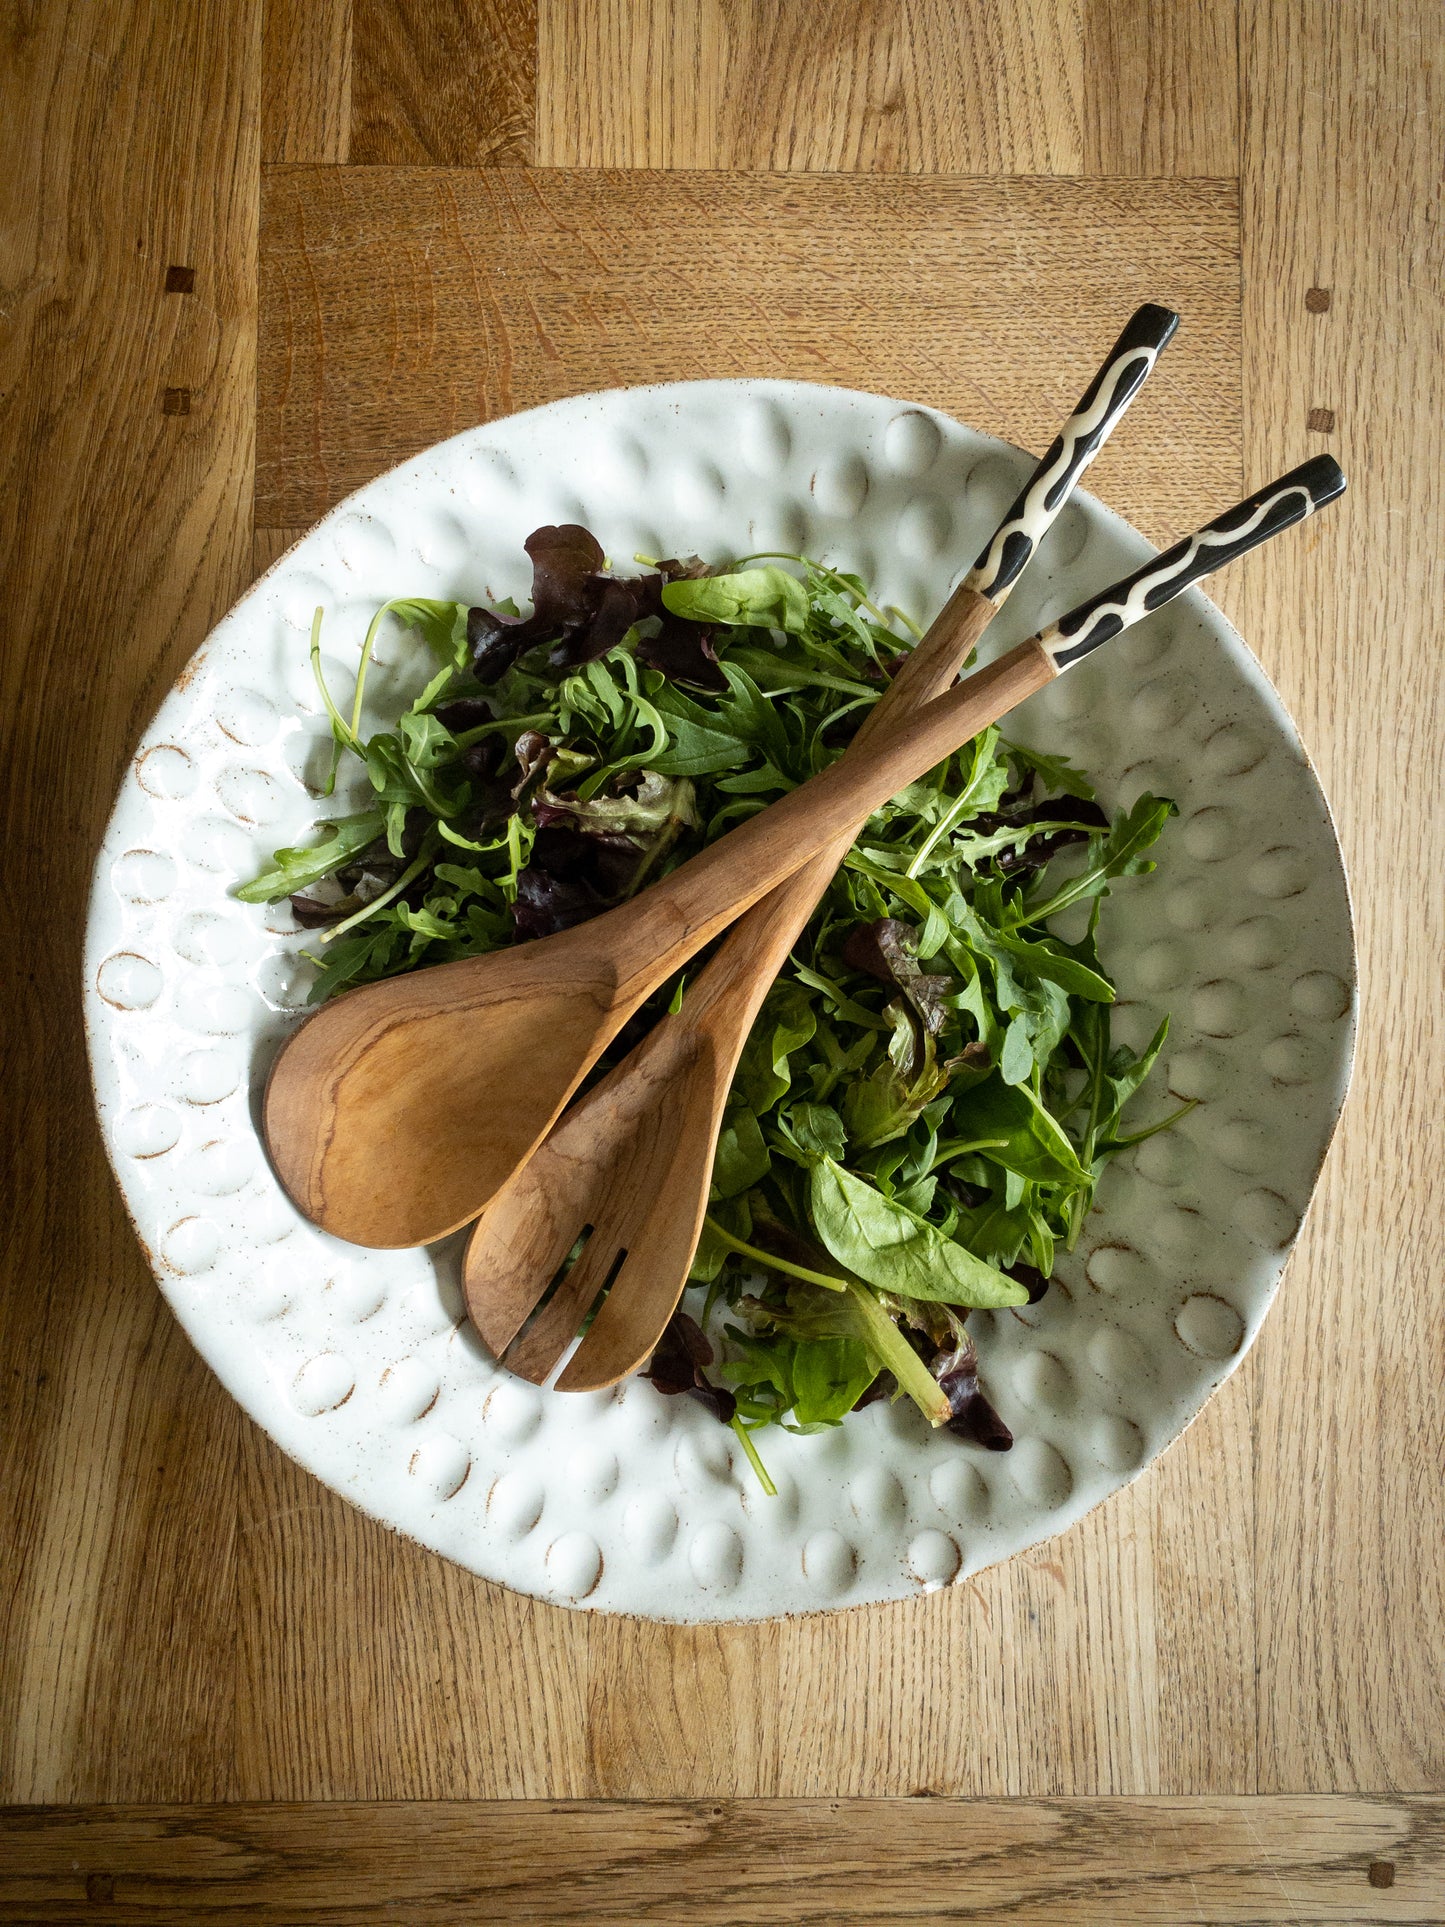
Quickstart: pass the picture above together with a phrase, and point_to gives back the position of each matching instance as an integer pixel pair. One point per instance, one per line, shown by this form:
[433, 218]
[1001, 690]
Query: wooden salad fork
[633, 1160]
[396, 1112]
[660, 1110]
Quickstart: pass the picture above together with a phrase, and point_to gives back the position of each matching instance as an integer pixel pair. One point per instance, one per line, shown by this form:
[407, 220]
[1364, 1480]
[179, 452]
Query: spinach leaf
[741, 1159]
[891, 1247]
[1017, 1133]
[766, 598]
[830, 1375]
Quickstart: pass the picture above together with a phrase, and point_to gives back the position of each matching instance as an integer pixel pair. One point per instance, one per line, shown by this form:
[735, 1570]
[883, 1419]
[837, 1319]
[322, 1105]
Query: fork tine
[536, 1352]
[643, 1297]
[515, 1252]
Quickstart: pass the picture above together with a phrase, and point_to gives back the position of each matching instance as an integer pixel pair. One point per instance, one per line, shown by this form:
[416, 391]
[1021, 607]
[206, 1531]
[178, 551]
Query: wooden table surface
[251, 256]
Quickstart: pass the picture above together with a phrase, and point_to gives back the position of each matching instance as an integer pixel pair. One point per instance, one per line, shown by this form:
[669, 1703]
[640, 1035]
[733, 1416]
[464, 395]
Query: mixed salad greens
[927, 1100]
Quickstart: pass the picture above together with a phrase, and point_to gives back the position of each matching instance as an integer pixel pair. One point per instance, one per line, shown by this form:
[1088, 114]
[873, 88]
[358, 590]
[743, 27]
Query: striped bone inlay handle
[1278, 506]
[1079, 441]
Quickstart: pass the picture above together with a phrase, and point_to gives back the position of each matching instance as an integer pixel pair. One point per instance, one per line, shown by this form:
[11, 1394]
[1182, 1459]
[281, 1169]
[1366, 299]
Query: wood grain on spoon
[622, 1146]
[632, 1160]
[395, 1113]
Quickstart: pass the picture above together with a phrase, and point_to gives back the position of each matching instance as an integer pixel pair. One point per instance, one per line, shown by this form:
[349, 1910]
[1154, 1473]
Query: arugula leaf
[698, 744]
[427, 741]
[345, 837]
[1118, 853]
[1056, 773]
[442, 625]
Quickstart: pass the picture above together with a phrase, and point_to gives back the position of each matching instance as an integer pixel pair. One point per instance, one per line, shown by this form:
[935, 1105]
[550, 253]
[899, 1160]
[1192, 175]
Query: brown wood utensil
[393, 1115]
[652, 1124]
[631, 1164]
[649, 1129]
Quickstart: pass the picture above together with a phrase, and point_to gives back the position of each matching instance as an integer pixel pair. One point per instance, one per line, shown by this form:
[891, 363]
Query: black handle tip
[1151, 326]
[1322, 476]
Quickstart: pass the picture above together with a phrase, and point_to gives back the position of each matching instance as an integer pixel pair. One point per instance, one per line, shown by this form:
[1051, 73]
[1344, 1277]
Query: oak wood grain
[496, 290]
[1163, 87]
[124, 532]
[449, 83]
[306, 80]
[1293, 1860]
[183, 1614]
[892, 86]
[1344, 116]
[268, 546]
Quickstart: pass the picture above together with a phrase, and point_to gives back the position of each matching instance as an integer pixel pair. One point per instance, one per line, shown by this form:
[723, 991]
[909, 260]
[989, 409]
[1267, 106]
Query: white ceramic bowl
[358, 1363]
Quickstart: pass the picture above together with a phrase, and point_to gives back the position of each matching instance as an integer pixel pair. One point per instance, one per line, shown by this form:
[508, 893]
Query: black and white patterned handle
[1052, 483]
[1255, 520]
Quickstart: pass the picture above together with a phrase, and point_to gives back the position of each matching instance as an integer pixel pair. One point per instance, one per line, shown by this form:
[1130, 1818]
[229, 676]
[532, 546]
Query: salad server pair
[397, 1113]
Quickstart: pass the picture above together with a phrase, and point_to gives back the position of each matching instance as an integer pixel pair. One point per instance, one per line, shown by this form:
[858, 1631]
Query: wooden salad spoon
[394, 1113]
[683, 1069]
[632, 1161]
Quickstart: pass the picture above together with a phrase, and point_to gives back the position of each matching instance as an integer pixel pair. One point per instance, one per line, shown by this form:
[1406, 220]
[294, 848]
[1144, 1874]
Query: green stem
[407, 876]
[899, 1356]
[1151, 1130]
[945, 826]
[770, 1263]
[338, 721]
[1070, 893]
[429, 793]
[519, 723]
[962, 1147]
[342, 735]
[753, 1459]
[363, 665]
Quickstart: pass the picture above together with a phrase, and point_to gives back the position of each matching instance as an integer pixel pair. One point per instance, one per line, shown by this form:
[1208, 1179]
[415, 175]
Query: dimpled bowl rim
[634, 1503]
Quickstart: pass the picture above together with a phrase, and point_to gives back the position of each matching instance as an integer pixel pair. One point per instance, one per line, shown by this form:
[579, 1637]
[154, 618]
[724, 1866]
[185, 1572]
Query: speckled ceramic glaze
[358, 1362]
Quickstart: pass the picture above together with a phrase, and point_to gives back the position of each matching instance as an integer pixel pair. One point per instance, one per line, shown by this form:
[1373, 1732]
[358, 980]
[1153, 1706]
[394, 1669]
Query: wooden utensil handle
[1118, 381]
[729, 992]
[682, 912]
[688, 908]
[1277, 506]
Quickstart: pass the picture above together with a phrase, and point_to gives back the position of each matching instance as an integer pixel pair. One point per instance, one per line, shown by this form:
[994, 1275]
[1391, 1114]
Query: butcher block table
[254, 254]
